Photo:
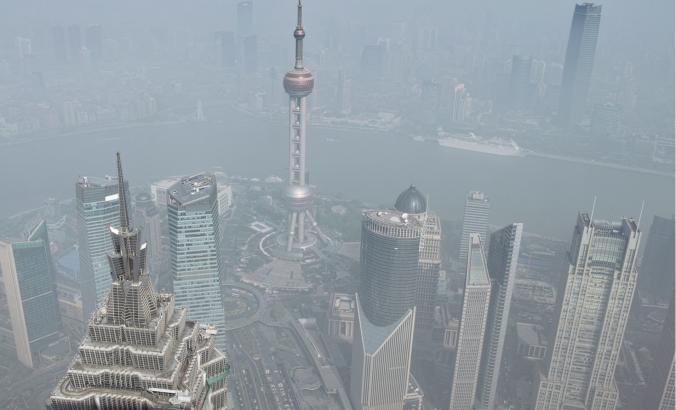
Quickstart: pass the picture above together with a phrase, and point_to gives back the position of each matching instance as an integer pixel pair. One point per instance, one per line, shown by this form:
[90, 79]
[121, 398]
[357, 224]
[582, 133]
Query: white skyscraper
[381, 361]
[194, 243]
[594, 311]
[475, 303]
[475, 220]
[503, 258]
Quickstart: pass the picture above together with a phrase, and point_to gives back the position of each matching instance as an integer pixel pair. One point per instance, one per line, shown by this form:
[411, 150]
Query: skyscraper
[594, 310]
[148, 217]
[140, 351]
[381, 361]
[657, 263]
[519, 81]
[577, 70]
[245, 18]
[475, 303]
[194, 250]
[474, 220]
[97, 208]
[660, 389]
[400, 260]
[29, 287]
[298, 83]
[458, 106]
[502, 260]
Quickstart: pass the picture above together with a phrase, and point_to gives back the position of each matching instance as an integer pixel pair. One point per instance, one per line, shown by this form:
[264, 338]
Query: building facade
[194, 244]
[660, 390]
[579, 62]
[474, 220]
[503, 259]
[475, 303]
[381, 361]
[140, 351]
[30, 290]
[98, 208]
[594, 310]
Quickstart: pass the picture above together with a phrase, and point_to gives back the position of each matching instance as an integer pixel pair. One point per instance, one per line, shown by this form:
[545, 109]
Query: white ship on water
[471, 142]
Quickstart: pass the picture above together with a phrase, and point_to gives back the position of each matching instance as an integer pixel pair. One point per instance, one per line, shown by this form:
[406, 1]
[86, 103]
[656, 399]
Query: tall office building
[194, 250]
[657, 263]
[519, 82]
[458, 105]
[245, 25]
[140, 352]
[594, 310]
[502, 261]
[381, 361]
[30, 290]
[148, 217]
[474, 220]
[577, 70]
[400, 260]
[475, 303]
[98, 207]
[298, 83]
[660, 386]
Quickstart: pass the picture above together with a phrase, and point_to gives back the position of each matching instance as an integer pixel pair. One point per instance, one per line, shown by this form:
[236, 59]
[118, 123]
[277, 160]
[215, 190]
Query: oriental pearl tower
[298, 83]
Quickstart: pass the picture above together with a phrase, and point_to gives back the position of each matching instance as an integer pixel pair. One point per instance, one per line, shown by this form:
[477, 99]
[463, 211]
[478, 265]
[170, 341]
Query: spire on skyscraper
[299, 34]
[124, 209]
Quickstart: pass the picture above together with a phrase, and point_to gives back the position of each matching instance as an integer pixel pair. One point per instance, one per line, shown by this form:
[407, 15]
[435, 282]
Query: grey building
[98, 207]
[503, 258]
[657, 263]
[660, 386]
[140, 351]
[474, 220]
[30, 290]
[400, 260]
[519, 82]
[381, 361]
[594, 309]
[194, 244]
[475, 303]
[577, 69]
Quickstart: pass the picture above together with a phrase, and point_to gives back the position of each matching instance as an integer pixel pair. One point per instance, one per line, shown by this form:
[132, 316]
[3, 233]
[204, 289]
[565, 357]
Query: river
[370, 166]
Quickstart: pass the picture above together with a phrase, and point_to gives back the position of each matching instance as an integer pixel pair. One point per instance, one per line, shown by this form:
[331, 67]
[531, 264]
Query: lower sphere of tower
[299, 198]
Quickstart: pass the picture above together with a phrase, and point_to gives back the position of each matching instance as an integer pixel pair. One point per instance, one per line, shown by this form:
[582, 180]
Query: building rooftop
[342, 305]
[411, 201]
[531, 334]
[193, 189]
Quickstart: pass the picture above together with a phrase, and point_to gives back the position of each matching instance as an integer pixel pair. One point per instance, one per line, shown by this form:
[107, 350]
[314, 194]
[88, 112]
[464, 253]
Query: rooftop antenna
[124, 210]
[591, 217]
[299, 34]
[640, 215]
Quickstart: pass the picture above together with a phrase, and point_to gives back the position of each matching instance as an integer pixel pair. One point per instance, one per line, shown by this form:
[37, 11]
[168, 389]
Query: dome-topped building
[411, 201]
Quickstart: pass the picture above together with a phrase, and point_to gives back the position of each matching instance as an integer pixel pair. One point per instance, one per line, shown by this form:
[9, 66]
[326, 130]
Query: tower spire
[299, 34]
[124, 210]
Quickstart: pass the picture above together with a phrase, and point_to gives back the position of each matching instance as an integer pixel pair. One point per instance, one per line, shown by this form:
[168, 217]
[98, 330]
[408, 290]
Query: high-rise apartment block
[577, 70]
[29, 289]
[594, 309]
[194, 241]
[475, 303]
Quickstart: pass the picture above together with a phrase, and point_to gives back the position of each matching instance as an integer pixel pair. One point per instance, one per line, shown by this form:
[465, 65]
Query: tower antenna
[124, 210]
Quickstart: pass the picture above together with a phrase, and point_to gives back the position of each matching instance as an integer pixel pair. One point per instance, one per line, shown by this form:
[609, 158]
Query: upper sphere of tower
[299, 82]
[299, 33]
[411, 201]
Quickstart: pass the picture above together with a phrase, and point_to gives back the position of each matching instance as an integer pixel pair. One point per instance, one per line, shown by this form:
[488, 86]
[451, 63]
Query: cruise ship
[472, 142]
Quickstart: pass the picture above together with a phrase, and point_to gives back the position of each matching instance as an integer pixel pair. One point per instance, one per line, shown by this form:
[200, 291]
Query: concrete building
[381, 361]
[660, 389]
[594, 310]
[98, 208]
[577, 69]
[503, 259]
[341, 317]
[194, 250]
[474, 220]
[30, 291]
[531, 341]
[140, 351]
[475, 303]
[657, 263]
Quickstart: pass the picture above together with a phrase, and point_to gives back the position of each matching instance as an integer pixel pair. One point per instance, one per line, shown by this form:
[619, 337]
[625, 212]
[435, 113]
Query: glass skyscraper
[594, 310]
[577, 69]
[194, 250]
[474, 220]
[98, 208]
[30, 290]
